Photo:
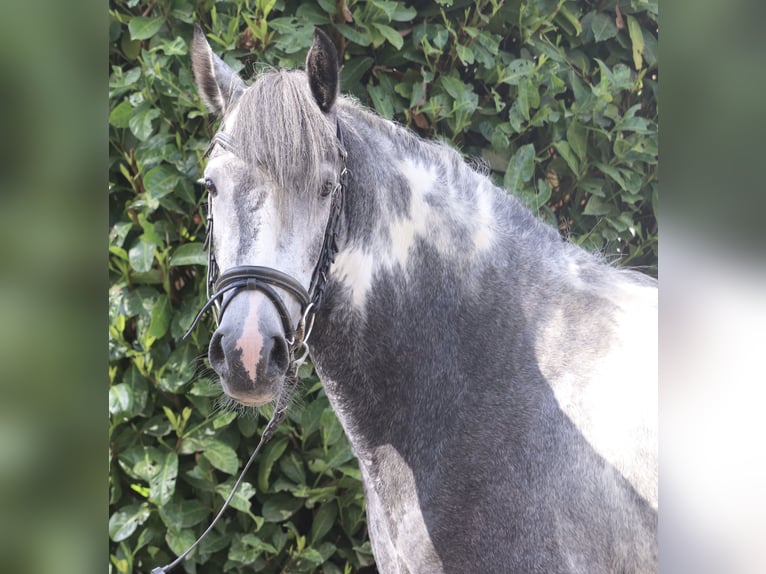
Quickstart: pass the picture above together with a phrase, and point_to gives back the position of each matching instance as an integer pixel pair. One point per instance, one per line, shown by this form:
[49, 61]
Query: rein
[266, 279]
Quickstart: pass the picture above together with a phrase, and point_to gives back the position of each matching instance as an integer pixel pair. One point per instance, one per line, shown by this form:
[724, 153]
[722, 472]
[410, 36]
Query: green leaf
[180, 367]
[418, 95]
[160, 181]
[542, 193]
[141, 255]
[353, 70]
[465, 54]
[522, 98]
[381, 99]
[160, 320]
[455, 87]
[140, 123]
[568, 21]
[183, 513]
[313, 556]
[592, 186]
[246, 425]
[603, 27]
[516, 71]
[439, 35]
[339, 453]
[577, 136]
[246, 549]
[311, 416]
[159, 468]
[125, 521]
[394, 38]
[150, 234]
[637, 41]
[521, 168]
[355, 36]
[291, 466]
[385, 6]
[255, 541]
[124, 80]
[638, 125]
[598, 206]
[141, 28]
[330, 428]
[516, 118]
[564, 151]
[403, 13]
[120, 115]
[328, 6]
[189, 254]
[120, 399]
[223, 419]
[612, 172]
[176, 47]
[241, 500]
[179, 539]
[280, 507]
[119, 232]
[271, 453]
[220, 455]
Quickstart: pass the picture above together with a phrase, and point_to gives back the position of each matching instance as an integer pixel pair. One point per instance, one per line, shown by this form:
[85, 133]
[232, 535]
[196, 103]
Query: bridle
[267, 279]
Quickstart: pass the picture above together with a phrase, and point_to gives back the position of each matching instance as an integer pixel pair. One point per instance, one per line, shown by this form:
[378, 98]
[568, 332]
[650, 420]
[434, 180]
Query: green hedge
[558, 98]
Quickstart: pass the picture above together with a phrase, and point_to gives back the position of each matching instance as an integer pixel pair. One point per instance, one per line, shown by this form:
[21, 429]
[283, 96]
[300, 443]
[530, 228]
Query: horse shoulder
[606, 379]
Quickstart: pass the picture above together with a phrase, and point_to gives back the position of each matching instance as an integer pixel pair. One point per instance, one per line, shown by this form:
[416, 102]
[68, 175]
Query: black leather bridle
[267, 280]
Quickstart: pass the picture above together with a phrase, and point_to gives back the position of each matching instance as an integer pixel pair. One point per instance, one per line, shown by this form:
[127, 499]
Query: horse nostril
[278, 359]
[215, 353]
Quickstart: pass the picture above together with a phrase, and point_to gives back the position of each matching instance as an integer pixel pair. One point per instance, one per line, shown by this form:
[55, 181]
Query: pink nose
[249, 353]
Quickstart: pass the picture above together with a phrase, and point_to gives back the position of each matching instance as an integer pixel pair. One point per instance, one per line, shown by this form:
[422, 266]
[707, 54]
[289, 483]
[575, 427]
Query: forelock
[280, 129]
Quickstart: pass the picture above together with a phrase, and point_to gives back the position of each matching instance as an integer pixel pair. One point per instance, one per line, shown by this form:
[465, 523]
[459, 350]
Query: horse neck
[434, 265]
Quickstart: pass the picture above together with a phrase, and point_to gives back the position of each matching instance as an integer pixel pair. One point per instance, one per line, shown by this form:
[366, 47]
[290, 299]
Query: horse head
[273, 178]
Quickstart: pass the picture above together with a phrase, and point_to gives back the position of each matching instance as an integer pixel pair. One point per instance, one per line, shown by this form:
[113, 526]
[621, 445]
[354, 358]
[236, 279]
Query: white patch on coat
[397, 529]
[483, 220]
[357, 267]
[613, 400]
[398, 532]
[405, 230]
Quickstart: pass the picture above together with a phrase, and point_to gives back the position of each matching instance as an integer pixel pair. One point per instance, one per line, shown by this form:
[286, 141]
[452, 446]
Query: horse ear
[322, 70]
[218, 85]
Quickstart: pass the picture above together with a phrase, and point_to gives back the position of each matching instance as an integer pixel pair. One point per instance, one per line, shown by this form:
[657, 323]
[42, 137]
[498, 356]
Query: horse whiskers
[226, 403]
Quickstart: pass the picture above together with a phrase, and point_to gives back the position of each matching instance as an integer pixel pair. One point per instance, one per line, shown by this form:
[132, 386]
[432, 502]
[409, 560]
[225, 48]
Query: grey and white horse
[497, 384]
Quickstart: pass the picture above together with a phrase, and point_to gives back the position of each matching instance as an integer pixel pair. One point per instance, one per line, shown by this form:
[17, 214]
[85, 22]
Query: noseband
[227, 285]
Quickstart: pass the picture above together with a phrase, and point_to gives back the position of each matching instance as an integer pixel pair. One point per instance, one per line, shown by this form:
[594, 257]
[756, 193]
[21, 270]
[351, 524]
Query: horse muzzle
[249, 351]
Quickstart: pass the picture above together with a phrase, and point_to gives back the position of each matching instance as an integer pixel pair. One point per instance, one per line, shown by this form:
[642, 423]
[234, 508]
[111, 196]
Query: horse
[497, 383]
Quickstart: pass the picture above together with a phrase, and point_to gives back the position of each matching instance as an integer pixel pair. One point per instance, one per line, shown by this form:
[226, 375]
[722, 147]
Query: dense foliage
[557, 97]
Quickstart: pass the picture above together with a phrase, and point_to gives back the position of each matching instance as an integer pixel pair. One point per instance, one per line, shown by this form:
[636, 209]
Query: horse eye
[210, 186]
[327, 188]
